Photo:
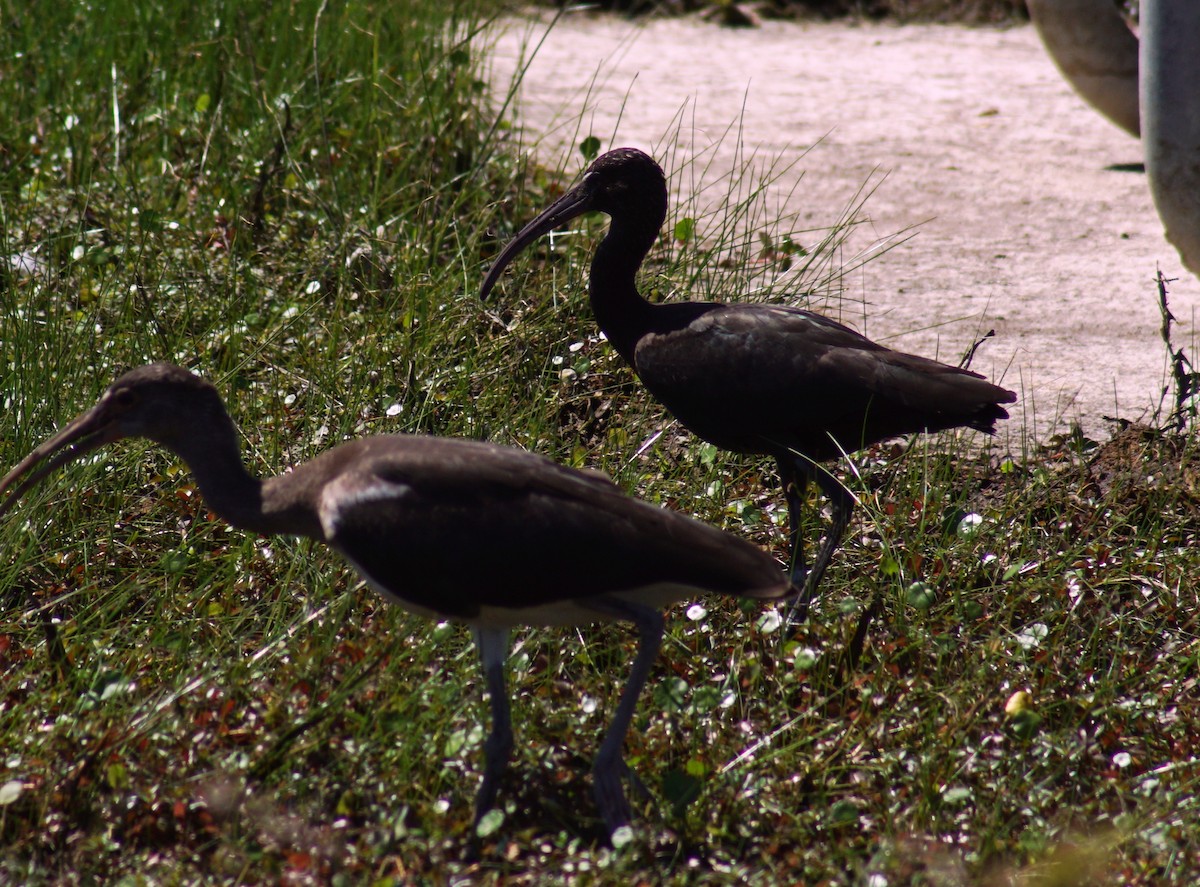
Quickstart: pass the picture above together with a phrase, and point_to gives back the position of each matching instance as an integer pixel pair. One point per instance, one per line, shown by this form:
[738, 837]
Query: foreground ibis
[484, 535]
[754, 378]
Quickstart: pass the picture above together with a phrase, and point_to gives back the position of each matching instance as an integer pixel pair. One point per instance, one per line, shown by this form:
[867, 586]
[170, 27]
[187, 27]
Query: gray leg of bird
[794, 485]
[610, 765]
[841, 505]
[493, 650]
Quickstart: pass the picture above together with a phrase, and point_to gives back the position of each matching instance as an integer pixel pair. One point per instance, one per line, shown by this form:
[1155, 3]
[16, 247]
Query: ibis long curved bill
[85, 434]
[574, 203]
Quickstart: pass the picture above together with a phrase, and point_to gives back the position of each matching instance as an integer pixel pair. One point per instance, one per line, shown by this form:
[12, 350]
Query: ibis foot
[610, 795]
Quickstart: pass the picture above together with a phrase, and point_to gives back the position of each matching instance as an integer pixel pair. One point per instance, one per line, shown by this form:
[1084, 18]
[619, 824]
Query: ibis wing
[454, 529]
[741, 374]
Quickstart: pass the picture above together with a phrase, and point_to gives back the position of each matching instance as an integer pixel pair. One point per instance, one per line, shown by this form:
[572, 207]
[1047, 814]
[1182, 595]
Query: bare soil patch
[1030, 213]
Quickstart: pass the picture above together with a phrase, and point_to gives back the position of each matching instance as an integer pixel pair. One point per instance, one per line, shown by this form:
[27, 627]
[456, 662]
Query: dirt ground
[1031, 213]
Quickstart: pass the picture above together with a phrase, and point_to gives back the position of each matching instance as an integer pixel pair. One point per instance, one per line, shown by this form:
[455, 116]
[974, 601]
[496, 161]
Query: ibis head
[160, 402]
[625, 184]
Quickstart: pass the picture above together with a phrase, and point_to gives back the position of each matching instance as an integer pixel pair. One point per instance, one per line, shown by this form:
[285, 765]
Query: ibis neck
[620, 310]
[235, 495]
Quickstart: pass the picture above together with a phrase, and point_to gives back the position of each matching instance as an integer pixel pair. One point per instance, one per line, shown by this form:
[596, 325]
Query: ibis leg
[609, 766]
[796, 477]
[493, 650]
[794, 485]
[841, 505]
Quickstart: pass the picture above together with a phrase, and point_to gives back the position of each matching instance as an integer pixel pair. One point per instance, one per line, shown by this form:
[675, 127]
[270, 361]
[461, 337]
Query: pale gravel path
[1000, 167]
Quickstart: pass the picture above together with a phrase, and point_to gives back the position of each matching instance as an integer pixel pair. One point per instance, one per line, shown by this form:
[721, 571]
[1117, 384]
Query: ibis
[754, 378]
[484, 535]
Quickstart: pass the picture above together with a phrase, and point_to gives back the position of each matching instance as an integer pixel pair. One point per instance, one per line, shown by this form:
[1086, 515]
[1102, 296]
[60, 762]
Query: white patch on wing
[348, 491]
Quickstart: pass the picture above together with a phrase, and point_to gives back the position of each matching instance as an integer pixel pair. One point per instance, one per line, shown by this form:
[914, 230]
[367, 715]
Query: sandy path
[1023, 223]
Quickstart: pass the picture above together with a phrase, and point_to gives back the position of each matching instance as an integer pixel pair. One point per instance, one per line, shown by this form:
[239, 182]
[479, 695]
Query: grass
[298, 202]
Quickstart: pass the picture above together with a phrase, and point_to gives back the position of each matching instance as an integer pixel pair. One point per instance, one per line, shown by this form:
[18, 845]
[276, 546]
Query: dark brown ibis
[755, 378]
[480, 534]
